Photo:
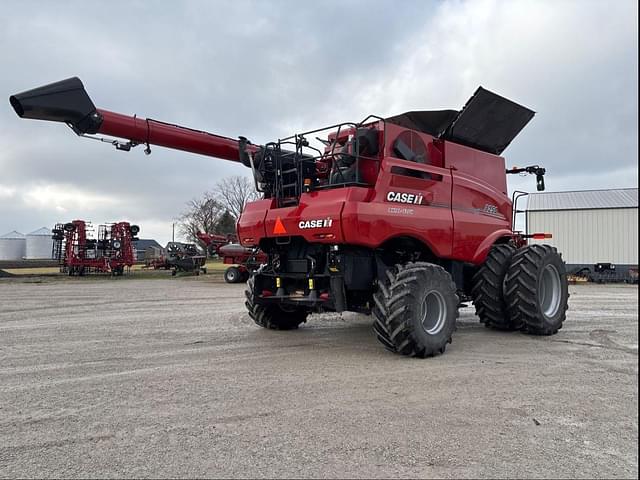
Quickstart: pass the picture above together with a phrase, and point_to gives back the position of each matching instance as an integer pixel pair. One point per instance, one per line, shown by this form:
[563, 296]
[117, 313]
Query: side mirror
[539, 171]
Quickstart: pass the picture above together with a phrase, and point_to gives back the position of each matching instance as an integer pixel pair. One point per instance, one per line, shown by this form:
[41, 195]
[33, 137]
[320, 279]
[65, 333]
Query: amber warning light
[539, 236]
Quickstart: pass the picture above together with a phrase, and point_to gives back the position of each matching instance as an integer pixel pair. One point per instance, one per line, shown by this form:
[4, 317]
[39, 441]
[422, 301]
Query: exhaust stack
[65, 101]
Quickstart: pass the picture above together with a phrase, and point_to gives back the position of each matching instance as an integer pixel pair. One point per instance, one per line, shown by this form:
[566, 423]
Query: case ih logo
[402, 197]
[318, 223]
[490, 209]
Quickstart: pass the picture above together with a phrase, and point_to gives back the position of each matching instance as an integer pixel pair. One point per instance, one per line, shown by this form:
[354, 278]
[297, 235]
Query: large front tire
[415, 309]
[272, 316]
[536, 289]
[487, 289]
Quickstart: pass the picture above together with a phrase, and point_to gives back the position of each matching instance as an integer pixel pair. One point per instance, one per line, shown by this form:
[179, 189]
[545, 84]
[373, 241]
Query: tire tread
[521, 290]
[396, 291]
[487, 289]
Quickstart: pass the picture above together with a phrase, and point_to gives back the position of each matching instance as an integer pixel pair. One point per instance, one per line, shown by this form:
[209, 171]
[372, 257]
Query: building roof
[584, 199]
[12, 236]
[145, 243]
[44, 232]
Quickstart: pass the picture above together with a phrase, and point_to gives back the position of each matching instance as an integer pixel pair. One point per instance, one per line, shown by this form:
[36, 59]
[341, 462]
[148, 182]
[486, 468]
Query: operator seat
[345, 167]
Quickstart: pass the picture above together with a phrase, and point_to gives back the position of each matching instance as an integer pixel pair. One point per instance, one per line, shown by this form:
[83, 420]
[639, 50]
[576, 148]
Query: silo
[12, 246]
[39, 244]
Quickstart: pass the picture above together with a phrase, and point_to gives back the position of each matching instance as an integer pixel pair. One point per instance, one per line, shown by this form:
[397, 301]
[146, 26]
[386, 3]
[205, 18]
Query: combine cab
[399, 217]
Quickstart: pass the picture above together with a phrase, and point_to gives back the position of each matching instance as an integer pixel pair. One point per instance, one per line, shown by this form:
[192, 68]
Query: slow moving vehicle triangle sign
[279, 227]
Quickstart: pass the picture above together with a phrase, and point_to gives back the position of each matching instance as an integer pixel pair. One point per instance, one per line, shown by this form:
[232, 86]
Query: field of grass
[33, 271]
[216, 266]
[213, 266]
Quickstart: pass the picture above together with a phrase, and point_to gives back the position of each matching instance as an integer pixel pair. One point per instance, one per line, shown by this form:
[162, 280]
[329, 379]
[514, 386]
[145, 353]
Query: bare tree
[234, 192]
[217, 210]
[201, 215]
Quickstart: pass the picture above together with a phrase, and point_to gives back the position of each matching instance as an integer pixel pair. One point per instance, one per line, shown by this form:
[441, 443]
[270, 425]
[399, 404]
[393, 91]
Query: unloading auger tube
[67, 101]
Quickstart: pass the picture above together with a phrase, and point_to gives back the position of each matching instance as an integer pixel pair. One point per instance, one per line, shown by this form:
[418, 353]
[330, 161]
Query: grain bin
[39, 244]
[12, 246]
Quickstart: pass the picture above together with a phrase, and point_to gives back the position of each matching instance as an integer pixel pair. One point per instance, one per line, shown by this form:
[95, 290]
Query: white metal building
[39, 244]
[12, 246]
[590, 226]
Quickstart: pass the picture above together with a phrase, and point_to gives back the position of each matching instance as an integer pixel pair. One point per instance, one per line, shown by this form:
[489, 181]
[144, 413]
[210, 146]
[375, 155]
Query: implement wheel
[536, 289]
[415, 309]
[487, 290]
[232, 275]
[273, 317]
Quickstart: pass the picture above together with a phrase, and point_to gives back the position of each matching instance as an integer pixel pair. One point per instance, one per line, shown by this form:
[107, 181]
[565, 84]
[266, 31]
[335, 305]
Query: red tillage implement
[111, 252]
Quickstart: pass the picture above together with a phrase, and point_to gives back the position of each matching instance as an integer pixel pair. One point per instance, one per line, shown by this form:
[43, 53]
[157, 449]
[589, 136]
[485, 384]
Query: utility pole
[173, 232]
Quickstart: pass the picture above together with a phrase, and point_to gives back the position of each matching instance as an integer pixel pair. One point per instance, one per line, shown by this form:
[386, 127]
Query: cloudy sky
[270, 68]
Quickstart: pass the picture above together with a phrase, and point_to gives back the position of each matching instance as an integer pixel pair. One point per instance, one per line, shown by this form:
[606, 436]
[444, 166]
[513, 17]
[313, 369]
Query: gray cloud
[265, 69]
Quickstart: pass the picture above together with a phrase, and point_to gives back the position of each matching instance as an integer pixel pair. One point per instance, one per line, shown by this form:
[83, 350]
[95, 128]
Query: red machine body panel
[458, 209]
[374, 222]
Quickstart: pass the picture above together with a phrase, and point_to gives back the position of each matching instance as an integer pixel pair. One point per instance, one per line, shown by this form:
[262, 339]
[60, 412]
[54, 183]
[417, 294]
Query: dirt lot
[169, 378]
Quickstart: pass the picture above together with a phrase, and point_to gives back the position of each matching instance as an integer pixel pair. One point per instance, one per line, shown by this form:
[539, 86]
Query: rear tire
[536, 289]
[415, 309]
[487, 290]
[273, 316]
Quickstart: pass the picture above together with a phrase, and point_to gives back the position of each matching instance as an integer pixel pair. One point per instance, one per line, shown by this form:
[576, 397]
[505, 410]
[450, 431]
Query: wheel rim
[550, 291]
[433, 312]
[231, 275]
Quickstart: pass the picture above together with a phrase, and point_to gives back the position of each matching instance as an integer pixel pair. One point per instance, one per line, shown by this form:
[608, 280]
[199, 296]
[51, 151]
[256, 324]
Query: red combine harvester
[111, 252]
[242, 260]
[398, 217]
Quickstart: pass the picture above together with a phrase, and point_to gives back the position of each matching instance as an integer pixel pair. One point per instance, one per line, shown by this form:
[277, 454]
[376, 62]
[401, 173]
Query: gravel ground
[170, 378]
